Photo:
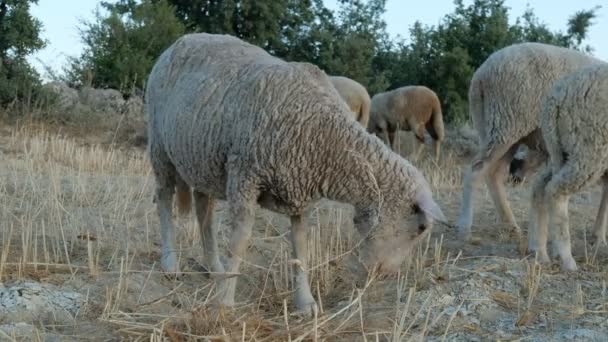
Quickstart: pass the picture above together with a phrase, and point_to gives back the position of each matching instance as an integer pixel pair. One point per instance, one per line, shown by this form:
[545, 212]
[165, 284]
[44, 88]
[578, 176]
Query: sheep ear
[425, 202]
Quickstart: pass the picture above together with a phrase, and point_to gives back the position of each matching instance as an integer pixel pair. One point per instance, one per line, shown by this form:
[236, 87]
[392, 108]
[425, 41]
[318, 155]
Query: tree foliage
[19, 37]
[351, 41]
[122, 45]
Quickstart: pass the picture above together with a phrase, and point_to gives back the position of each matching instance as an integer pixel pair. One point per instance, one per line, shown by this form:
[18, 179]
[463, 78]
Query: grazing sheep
[410, 108]
[355, 95]
[231, 122]
[505, 101]
[574, 124]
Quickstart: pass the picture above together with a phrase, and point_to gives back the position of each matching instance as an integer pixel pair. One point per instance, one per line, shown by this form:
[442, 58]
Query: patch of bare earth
[78, 218]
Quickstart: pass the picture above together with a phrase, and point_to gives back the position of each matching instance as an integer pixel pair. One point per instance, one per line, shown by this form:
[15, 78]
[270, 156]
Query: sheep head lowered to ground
[229, 121]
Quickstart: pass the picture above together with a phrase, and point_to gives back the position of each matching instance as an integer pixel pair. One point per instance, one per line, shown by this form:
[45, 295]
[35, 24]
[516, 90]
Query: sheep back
[574, 120]
[355, 95]
[506, 91]
[409, 107]
[214, 100]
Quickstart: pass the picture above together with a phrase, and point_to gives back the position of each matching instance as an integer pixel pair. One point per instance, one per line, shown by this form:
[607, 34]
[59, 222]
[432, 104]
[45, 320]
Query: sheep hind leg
[558, 210]
[483, 161]
[304, 300]
[496, 184]
[567, 181]
[436, 150]
[601, 221]
[242, 194]
[204, 214]
[165, 175]
[169, 256]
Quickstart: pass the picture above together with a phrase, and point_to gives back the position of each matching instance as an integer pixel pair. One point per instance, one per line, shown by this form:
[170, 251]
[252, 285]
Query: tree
[122, 46]
[352, 41]
[19, 37]
[444, 57]
[256, 21]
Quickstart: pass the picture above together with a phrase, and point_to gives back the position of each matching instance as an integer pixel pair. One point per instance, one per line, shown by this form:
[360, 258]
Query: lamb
[574, 126]
[228, 121]
[505, 97]
[410, 108]
[355, 95]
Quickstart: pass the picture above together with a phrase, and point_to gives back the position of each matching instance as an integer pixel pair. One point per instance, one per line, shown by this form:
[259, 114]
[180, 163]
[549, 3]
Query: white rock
[30, 301]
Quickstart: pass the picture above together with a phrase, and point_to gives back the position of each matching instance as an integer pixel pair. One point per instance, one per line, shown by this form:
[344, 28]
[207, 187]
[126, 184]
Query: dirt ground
[78, 223]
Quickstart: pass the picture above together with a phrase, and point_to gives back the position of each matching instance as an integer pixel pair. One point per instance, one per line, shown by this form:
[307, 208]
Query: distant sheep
[410, 108]
[505, 101]
[230, 121]
[574, 124]
[356, 97]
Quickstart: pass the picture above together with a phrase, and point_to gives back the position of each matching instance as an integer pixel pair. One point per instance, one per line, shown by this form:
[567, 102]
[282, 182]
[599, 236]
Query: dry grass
[81, 216]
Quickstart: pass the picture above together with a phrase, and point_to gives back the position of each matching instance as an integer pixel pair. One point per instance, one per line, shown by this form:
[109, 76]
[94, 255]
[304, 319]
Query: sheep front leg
[304, 300]
[437, 149]
[483, 161]
[559, 222]
[418, 142]
[241, 196]
[601, 220]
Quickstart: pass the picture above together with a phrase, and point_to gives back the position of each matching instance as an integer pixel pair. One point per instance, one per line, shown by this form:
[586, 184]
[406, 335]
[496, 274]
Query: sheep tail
[364, 113]
[184, 197]
[435, 125]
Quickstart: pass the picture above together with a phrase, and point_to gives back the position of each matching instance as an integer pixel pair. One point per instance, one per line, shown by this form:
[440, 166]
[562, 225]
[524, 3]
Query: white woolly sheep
[504, 102]
[231, 122]
[410, 108]
[574, 124]
[355, 95]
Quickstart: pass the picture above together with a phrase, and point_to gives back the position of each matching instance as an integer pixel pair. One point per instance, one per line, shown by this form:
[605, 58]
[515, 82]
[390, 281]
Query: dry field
[79, 238]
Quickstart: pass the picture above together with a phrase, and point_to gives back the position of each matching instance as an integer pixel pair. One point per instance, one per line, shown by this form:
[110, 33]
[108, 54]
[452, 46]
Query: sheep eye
[416, 209]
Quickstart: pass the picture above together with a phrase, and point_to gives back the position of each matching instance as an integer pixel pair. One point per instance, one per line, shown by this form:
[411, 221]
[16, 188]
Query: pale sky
[61, 20]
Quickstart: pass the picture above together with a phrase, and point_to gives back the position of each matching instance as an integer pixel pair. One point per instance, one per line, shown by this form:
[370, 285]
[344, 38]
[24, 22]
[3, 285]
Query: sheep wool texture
[355, 95]
[507, 90]
[574, 124]
[220, 109]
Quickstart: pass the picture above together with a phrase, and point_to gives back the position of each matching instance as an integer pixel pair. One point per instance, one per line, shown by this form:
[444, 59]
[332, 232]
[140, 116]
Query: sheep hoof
[464, 235]
[307, 308]
[227, 302]
[226, 291]
[541, 257]
[170, 266]
[569, 265]
[195, 266]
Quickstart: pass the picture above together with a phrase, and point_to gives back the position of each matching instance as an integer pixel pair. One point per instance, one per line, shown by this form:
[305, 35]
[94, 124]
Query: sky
[61, 20]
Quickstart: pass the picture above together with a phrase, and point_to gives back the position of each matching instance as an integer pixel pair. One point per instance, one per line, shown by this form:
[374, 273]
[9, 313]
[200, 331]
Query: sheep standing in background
[574, 124]
[356, 97]
[229, 121]
[410, 108]
[504, 102]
